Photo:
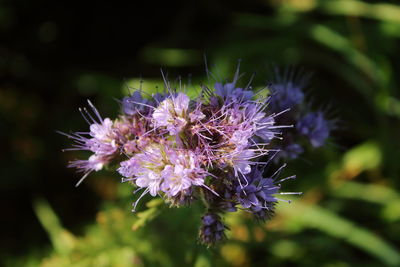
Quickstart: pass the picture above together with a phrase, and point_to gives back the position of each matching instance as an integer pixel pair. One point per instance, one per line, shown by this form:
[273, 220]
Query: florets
[288, 96]
[214, 147]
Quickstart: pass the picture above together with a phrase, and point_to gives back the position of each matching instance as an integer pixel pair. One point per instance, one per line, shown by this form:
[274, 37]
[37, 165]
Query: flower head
[161, 169]
[259, 194]
[212, 229]
[101, 140]
[212, 148]
[171, 113]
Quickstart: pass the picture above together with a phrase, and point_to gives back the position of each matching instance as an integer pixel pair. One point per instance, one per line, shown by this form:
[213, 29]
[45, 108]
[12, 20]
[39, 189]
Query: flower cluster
[287, 88]
[214, 148]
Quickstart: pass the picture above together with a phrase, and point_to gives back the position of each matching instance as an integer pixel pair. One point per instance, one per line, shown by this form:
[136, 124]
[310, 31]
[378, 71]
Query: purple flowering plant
[310, 128]
[214, 148]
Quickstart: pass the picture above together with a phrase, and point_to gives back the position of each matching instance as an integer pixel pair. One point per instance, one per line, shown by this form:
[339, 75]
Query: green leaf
[62, 240]
[312, 216]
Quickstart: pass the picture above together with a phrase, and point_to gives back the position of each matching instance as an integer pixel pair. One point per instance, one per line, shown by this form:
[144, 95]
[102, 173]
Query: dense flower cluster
[214, 148]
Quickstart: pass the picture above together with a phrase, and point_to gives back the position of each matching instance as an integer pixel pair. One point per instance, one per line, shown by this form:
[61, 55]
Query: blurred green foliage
[349, 214]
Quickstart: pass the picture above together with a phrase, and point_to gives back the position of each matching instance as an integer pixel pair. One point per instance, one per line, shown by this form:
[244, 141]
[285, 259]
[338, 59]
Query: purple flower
[240, 138]
[104, 141]
[287, 89]
[286, 95]
[229, 92]
[94, 163]
[102, 131]
[101, 140]
[224, 90]
[134, 103]
[196, 115]
[258, 194]
[183, 172]
[171, 113]
[288, 99]
[315, 127]
[150, 180]
[128, 168]
[212, 229]
[175, 180]
[242, 160]
[145, 168]
[162, 169]
[211, 148]
[226, 135]
[240, 94]
[247, 196]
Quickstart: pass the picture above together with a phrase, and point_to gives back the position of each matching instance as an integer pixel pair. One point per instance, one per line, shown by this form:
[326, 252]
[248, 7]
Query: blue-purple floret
[212, 229]
[224, 90]
[315, 127]
[287, 94]
[229, 92]
[260, 192]
[134, 103]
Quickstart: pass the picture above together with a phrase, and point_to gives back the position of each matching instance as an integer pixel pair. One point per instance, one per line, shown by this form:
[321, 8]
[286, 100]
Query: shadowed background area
[56, 55]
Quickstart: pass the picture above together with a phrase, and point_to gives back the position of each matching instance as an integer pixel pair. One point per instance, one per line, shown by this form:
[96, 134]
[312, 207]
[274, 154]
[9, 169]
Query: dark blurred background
[56, 55]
